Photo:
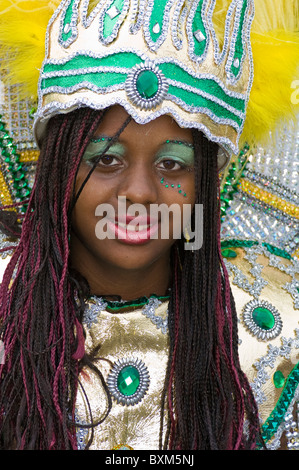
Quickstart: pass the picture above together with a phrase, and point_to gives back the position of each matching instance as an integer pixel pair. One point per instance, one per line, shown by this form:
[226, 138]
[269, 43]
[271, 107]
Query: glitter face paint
[172, 155]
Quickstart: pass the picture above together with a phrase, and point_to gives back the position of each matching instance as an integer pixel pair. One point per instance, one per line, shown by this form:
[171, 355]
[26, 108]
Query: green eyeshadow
[97, 147]
[180, 151]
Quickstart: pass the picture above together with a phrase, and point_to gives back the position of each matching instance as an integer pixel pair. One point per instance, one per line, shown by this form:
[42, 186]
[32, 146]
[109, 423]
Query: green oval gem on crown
[262, 319]
[146, 86]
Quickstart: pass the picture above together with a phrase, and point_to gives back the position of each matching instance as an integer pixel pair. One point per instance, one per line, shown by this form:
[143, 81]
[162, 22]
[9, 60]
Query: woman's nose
[138, 185]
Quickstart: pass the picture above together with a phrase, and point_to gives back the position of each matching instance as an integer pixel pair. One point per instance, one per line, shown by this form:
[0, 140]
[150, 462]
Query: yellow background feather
[275, 48]
[23, 26]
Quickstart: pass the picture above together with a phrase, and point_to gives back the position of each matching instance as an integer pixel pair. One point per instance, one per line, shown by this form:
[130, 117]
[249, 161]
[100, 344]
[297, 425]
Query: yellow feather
[22, 41]
[272, 101]
[275, 48]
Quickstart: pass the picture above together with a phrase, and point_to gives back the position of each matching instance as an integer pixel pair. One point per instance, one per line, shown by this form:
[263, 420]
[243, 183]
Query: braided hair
[207, 393]
[42, 301]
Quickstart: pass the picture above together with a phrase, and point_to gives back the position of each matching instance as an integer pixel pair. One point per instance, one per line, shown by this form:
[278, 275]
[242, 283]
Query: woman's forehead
[159, 129]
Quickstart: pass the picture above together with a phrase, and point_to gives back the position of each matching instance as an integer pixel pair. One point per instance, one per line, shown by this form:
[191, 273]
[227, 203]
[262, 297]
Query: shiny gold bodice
[125, 335]
[255, 273]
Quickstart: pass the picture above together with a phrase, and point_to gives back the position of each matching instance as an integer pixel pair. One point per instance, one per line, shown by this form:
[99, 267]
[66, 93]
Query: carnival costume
[209, 65]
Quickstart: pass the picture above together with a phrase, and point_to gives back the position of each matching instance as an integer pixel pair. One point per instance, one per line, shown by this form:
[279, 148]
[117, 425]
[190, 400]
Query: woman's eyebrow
[179, 142]
[101, 137]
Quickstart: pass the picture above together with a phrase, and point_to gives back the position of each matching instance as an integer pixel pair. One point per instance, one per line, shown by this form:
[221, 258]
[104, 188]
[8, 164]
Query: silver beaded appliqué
[149, 310]
[97, 304]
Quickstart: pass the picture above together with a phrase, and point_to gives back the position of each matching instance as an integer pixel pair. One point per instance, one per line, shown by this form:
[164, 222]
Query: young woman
[129, 341]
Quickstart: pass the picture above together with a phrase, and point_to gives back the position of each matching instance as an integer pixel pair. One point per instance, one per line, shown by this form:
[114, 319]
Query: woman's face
[149, 165]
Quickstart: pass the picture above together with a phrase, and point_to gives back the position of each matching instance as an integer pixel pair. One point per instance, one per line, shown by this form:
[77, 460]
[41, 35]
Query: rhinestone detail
[128, 381]
[146, 86]
[262, 319]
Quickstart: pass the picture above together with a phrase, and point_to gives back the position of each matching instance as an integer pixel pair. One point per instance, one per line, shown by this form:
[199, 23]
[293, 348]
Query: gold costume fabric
[256, 273]
[125, 335]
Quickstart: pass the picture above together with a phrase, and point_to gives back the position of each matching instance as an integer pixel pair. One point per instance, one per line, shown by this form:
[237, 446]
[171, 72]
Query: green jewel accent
[167, 185]
[229, 253]
[264, 318]
[111, 18]
[237, 243]
[271, 425]
[249, 243]
[32, 112]
[239, 47]
[101, 139]
[81, 61]
[277, 251]
[16, 176]
[193, 99]
[207, 85]
[157, 18]
[198, 27]
[230, 182]
[116, 306]
[101, 80]
[128, 380]
[66, 25]
[278, 379]
[147, 84]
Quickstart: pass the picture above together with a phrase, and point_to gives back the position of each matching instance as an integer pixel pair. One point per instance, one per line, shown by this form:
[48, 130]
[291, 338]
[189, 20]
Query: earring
[186, 232]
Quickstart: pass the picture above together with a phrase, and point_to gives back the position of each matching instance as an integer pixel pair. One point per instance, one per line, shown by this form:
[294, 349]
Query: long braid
[212, 394]
[40, 319]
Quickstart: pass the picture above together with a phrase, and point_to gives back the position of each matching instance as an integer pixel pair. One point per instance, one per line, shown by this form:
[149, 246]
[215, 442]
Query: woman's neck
[107, 280]
[128, 285]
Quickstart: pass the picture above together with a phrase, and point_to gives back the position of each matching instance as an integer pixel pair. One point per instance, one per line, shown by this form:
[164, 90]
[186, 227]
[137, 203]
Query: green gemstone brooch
[262, 319]
[128, 381]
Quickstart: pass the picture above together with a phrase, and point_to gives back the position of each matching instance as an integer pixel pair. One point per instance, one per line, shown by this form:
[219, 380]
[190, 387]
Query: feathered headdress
[274, 47]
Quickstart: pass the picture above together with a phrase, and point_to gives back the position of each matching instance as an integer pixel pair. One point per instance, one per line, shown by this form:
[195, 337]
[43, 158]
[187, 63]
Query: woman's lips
[134, 230]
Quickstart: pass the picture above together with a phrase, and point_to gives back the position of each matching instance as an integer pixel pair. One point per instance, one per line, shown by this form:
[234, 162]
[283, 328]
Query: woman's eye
[106, 161]
[169, 164]
[98, 154]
